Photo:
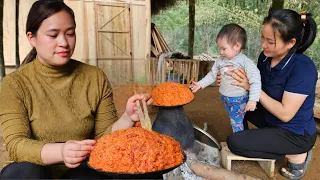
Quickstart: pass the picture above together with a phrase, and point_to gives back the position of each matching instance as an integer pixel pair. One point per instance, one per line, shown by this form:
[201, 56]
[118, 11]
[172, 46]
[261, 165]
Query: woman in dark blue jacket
[285, 115]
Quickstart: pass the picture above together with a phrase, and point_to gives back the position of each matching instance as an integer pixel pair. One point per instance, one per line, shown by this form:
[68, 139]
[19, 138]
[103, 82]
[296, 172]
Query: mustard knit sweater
[41, 104]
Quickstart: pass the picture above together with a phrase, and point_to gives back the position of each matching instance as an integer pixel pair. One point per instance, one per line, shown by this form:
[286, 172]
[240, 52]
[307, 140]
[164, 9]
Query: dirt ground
[207, 107]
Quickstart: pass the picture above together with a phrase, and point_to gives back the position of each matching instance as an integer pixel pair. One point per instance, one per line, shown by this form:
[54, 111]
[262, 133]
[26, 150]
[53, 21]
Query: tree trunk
[192, 13]
[2, 66]
[207, 43]
[277, 4]
[17, 35]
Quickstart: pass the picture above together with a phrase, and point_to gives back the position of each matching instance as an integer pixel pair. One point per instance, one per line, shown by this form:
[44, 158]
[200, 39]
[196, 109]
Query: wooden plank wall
[9, 38]
[86, 32]
[24, 46]
[86, 36]
[85, 49]
[113, 24]
[9, 35]
[120, 72]
[9, 29]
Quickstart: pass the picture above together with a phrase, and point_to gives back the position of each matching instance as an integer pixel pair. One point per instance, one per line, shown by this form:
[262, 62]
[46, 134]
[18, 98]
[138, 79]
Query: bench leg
[268, 167]
[228, 164]
[226, 161]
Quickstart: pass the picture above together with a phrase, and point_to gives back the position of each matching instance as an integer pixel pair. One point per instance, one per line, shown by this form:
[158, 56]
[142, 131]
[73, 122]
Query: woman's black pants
[267, 142]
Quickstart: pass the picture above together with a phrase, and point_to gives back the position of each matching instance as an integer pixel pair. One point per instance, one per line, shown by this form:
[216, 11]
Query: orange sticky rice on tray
[135, 150]
[171, 94]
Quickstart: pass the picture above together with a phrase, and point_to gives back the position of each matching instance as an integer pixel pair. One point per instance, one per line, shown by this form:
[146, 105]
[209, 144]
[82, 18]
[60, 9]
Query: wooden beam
[156, 42]
[148, 28]
[154, 51]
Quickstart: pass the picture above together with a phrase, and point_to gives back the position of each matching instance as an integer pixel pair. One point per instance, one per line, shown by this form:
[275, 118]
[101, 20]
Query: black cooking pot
[147, 175]
[174, 122]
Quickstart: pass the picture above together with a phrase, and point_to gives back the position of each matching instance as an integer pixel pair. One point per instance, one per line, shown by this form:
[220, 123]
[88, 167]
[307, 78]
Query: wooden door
[113, 29]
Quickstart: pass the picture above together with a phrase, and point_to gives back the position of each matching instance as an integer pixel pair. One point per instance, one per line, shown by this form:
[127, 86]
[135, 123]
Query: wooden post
[189, 63]
[131, 43]
[177, 64]
[192, 12]
[163, 77]
[17, 35]
[148, 28]
[2, 66]
[95, 7]
[85, 41]
[169, 71]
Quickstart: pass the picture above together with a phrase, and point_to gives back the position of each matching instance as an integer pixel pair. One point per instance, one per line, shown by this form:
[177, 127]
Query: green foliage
[211, 15]
[310, 6]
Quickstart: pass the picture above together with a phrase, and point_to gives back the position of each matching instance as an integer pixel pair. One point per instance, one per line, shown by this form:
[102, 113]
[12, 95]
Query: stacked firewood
[205, 57]
[158, 44]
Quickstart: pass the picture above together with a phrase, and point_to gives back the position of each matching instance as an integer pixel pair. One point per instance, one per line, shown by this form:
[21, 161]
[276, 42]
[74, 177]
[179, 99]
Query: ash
[199, 152]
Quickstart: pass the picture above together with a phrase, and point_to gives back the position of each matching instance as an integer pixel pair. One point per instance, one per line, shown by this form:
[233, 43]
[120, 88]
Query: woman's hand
[195, 86]
[131, 108]
[242, 80]
[74, 152]
[130, 116]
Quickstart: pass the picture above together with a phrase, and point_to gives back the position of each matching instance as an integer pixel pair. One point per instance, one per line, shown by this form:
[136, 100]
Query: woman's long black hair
[291, 25]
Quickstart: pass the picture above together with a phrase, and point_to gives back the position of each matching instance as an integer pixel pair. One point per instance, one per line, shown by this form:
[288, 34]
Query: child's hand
[195, 86]
[251, 106]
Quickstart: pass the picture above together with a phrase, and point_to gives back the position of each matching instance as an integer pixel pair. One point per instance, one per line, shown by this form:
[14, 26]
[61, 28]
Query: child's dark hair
[234, 34]
[291, 25]
[41, 10]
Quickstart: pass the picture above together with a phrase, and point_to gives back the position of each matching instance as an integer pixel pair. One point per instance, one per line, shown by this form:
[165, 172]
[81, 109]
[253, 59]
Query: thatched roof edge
[157, 5]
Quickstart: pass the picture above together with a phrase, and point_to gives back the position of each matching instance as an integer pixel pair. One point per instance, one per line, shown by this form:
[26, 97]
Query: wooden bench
[268, 165]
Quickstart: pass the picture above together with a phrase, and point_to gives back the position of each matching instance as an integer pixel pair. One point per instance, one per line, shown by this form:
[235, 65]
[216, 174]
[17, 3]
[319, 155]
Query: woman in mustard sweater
[53, 107]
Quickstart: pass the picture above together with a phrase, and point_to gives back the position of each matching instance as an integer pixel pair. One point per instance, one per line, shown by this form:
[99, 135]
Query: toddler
[231, 40]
